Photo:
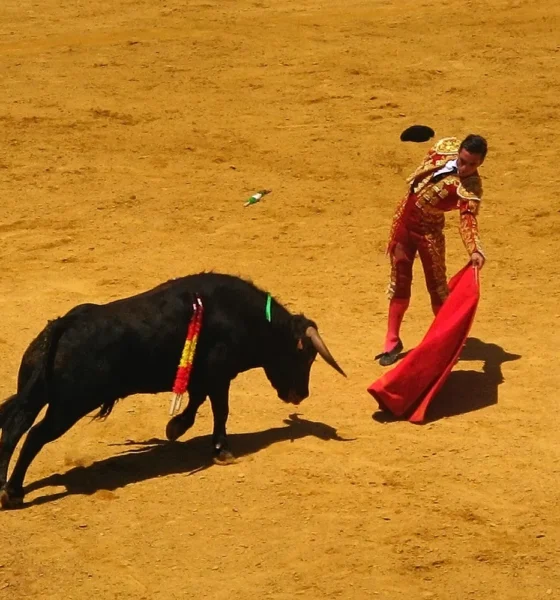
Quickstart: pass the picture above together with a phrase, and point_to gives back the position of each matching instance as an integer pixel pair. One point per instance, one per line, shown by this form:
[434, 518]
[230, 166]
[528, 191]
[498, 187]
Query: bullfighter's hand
[477, 260]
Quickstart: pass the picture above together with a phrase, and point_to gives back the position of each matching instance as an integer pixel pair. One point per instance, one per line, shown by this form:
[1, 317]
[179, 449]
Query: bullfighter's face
[468, 163]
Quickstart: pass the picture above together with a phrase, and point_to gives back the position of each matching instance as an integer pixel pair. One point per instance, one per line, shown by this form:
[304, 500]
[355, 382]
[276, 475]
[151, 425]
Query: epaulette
[470, 188]
[448, 145]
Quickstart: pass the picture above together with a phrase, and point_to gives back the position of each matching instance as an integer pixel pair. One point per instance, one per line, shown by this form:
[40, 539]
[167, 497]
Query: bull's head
[289, 364]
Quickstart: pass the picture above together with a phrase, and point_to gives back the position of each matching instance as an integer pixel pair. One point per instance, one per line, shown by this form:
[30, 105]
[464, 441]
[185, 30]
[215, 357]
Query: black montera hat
[417, 133]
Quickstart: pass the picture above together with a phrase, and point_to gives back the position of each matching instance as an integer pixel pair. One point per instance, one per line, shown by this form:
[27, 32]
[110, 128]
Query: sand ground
[131, 133]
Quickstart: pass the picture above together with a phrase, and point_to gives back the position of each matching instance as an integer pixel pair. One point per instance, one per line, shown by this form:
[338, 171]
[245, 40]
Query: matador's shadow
[156, 458]
[467, 391]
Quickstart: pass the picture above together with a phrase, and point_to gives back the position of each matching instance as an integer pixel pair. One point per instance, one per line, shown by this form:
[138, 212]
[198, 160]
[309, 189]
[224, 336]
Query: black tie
[436, 178]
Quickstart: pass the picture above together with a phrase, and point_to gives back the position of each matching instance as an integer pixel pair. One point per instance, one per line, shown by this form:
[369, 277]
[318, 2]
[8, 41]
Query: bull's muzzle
[294, 398]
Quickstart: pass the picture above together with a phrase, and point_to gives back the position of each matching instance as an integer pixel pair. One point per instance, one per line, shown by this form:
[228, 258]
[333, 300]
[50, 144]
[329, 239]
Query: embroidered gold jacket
[451, 192]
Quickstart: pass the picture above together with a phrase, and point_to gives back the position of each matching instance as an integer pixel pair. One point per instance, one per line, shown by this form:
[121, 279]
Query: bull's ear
[300, 344]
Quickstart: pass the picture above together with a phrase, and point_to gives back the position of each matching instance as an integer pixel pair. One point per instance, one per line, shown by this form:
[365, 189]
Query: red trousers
[413, 234]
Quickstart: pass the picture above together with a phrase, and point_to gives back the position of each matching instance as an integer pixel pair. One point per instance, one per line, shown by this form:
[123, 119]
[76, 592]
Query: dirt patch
[132, 134]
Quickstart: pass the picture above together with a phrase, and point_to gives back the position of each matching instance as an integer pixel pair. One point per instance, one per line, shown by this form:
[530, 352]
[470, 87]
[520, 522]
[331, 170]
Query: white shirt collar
[450, 165]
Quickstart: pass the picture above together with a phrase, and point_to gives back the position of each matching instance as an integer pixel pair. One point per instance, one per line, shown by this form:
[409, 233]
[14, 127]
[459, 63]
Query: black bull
[97, 354]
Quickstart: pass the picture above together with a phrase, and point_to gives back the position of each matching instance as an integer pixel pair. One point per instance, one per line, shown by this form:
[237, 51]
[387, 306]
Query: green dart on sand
[256, 197]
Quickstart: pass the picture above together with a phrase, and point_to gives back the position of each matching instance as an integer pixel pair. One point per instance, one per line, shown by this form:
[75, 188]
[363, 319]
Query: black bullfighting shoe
[388, 358]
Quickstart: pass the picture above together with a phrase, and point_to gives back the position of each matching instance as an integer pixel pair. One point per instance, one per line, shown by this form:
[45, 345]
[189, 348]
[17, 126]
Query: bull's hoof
[224, 457]
[10, 500]
[175, 429]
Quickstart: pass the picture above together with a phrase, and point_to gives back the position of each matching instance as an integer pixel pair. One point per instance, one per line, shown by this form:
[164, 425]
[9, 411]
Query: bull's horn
[322, 349]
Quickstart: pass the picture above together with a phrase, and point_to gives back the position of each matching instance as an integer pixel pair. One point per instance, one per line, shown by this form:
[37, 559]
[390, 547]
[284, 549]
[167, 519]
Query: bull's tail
[29, 401]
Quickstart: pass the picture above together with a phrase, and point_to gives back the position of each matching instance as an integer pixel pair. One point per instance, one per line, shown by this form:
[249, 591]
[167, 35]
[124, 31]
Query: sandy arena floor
[131, 133]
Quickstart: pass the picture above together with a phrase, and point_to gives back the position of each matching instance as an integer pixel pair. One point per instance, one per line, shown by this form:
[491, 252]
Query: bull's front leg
[219, 398]
[179, 424]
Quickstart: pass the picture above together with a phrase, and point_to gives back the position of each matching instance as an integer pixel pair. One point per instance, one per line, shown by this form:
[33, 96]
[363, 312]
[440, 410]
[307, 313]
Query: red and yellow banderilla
[187, 357]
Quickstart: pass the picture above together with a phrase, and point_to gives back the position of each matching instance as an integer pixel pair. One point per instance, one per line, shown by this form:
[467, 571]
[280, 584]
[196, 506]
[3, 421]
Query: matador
[446, 180]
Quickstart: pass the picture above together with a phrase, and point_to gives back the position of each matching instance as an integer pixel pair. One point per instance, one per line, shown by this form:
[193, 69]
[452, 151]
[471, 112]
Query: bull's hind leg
[179, 424]
[51, 427]
[17, 421]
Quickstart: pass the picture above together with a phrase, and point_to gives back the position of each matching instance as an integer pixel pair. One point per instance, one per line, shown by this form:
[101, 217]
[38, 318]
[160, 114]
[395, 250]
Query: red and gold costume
[419, 221]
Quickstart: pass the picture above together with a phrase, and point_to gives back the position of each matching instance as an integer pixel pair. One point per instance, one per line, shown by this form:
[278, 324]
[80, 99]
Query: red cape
[407, 389]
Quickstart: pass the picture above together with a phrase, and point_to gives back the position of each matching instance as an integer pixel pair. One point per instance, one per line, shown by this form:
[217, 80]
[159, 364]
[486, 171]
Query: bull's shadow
[156, 458]
[467, 391]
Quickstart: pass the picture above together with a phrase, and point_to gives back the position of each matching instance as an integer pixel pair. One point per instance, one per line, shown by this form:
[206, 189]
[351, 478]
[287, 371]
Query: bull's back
[129, 345]
[122, 347]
